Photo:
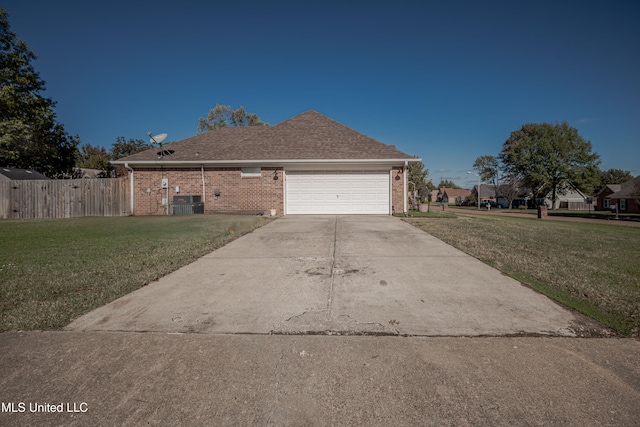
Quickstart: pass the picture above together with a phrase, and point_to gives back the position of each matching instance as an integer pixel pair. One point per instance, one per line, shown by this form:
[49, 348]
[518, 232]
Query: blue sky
[443, 80]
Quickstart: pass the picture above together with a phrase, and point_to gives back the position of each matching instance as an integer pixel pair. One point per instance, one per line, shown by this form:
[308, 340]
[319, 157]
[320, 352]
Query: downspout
[404, 185]
[126, 165]
[204, 191]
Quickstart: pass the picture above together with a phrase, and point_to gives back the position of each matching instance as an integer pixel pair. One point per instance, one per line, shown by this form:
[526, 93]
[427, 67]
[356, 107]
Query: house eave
[263, 162]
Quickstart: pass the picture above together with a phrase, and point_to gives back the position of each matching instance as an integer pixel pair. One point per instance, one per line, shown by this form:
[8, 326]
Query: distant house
[488, 193]
[15, 174]
[625, 196]
[449, 195]
[602, 202]
[567, 197]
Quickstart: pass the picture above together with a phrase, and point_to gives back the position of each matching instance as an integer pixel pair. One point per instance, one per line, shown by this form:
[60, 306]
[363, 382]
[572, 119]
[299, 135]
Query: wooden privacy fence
[574, 206]
[64, 198]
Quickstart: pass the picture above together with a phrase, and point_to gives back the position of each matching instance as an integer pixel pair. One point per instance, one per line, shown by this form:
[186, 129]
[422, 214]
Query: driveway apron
[336, 275]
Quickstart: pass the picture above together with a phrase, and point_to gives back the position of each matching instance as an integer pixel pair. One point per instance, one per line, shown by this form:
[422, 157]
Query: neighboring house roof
[486, 191]
[611, 187]
[307, 136]
[455, 192]
[20, 174]
[628, 189]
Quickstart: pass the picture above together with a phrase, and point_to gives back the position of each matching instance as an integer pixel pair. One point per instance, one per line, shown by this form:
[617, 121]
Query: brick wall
[397, 190]
[236, 194]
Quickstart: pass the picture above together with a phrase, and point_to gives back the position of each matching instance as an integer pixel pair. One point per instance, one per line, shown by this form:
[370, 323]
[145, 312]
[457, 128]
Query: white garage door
[337, 192]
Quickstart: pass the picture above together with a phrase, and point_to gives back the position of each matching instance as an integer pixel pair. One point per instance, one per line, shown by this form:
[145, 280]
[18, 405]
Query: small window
[606, 203]
[623, 204]
[250, 172]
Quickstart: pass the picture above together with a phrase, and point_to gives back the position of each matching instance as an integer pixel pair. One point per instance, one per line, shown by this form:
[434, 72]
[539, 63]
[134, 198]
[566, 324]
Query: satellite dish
[158, 138]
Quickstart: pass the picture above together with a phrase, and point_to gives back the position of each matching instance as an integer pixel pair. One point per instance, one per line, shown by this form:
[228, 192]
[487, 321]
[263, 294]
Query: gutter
[277, 162]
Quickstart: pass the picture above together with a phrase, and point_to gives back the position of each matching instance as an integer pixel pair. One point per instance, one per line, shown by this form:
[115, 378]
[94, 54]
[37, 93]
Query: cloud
[442, 170]
[583, 121]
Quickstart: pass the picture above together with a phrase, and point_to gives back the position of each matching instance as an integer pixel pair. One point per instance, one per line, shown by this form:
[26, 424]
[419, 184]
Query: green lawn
[54, 270]
[592, 268]
[593, 214]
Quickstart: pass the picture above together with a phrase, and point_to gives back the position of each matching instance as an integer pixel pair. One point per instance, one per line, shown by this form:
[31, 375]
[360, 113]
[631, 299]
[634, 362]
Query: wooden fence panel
[578, 206]
[63, 198]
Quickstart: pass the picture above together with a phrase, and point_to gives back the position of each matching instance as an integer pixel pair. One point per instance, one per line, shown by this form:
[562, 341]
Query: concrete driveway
[342, 275]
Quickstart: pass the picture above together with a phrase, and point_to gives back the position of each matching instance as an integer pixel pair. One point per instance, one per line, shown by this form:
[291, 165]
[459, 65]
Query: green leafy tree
[225, 115]
[91, 157]
[30, 136]
[448, 184]
[123, 147]
[488, 168]
[418, 175]
[546, 156]
[126, 147]
[614, 176]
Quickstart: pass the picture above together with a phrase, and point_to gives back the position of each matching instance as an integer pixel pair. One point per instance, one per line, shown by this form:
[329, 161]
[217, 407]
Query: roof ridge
[308, 135]
[362, 135]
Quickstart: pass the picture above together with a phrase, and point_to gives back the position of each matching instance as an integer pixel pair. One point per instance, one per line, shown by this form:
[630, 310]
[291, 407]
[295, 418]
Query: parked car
[465, 203]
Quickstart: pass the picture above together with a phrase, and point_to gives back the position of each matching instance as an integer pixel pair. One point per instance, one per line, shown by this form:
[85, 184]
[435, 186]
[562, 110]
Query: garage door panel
[337, 192]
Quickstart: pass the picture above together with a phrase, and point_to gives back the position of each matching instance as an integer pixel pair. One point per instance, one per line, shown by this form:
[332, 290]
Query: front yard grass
[593, 268]
[54, 270]
[433, 213]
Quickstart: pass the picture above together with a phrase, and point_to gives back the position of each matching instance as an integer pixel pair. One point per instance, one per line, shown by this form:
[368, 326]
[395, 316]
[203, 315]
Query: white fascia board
[222, 163]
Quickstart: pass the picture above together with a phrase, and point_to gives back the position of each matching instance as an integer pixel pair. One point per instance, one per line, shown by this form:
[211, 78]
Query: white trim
[404, 188]
[277, 162]
[390, 191]
[284, 192]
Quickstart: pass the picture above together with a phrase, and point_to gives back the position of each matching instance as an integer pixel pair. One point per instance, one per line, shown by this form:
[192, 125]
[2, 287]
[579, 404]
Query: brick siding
[250, 195]
[397, 189]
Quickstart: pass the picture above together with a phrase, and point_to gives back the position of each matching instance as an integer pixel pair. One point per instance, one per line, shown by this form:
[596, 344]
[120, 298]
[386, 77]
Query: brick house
[603, 201]
[308, 164]
[626, 196]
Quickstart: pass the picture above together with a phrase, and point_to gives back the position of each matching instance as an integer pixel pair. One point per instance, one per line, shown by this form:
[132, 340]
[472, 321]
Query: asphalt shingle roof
[629, 189]
[21, 174]
[307, 136]
[456, 192]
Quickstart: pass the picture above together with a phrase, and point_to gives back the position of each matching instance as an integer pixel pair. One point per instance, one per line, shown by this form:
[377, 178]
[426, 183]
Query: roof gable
[307, 136]
[610, 188]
